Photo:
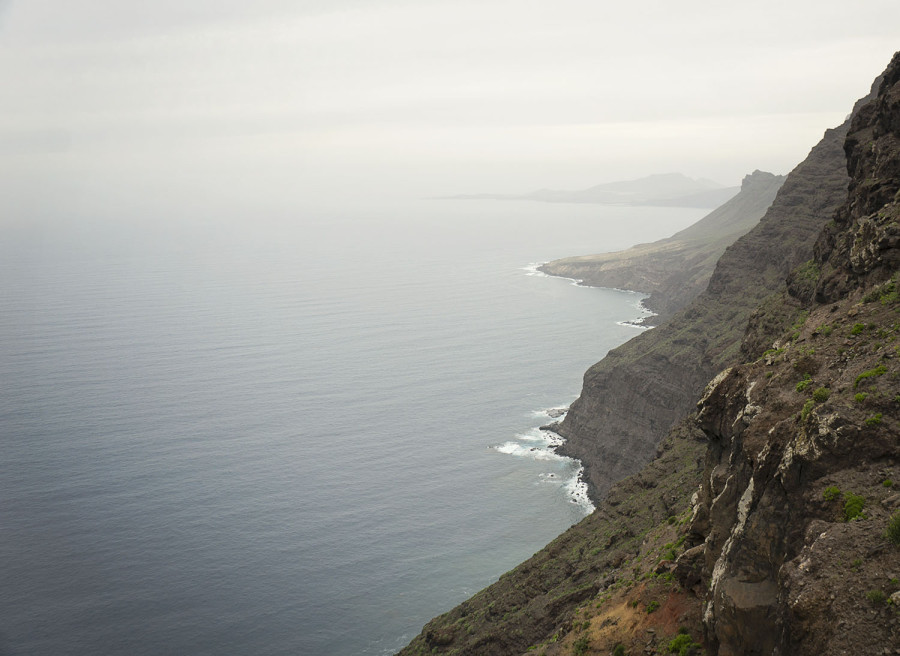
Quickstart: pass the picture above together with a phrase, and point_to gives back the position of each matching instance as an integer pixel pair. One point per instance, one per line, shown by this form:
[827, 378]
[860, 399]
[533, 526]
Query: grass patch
[880, 370]
[580, 646]
[803, 384]
[893, 529]
[821, 394]
[875, 596]
[652, 606]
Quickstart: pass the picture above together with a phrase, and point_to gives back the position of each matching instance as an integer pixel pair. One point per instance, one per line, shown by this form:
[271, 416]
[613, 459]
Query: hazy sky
[207, 103]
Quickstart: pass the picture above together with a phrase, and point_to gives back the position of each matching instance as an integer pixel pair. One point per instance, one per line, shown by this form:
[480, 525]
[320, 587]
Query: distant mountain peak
[671, 189]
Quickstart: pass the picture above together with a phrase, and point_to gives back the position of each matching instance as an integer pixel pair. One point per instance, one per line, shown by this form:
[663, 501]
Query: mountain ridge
[660, 189]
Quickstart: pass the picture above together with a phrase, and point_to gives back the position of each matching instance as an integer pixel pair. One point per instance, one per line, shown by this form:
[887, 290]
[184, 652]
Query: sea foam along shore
[540, 444]
[534, 269]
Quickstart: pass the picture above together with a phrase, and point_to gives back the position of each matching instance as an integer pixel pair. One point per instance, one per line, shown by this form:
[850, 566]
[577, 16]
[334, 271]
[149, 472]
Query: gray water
[293, 435]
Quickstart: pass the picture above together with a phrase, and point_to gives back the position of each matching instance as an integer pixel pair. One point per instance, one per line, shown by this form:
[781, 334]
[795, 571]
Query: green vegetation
[860, 397]
[874, 420]
[808, 271]
[580, 646]
[824, 330]
[619, 650]
[853, 506]
[856, 564]
[857, 328]
[807, 408]
[875, 596]
[886, 294]
[893, 529]
[821, 394]
[880, 370]
[652, 606]
[803, 384]
[831, 493]
[683, 645]
[887, 482]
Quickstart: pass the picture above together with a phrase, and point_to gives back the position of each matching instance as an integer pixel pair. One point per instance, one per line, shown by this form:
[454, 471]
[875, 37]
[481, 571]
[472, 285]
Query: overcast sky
[272, 102]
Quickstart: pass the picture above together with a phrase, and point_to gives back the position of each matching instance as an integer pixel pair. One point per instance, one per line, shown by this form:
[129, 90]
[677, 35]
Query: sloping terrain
[769, 522]
[677, 269]
[631, 397]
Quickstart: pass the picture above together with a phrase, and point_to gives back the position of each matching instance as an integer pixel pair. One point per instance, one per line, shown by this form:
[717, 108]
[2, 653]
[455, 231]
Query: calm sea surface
[297, 436]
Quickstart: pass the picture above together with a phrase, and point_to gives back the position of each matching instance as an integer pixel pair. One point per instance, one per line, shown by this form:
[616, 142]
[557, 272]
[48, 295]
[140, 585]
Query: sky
[129, 107]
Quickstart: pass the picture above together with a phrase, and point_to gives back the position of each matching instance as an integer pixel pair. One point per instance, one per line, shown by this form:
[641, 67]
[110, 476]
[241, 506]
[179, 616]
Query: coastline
[544, 442]
[541, 443]
[537, 269]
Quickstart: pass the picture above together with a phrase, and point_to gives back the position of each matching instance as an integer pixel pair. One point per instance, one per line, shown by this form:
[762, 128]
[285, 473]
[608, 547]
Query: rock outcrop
[807, 437]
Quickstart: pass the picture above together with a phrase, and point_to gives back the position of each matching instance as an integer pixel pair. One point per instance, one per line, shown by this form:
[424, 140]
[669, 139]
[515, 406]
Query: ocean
[302, 434]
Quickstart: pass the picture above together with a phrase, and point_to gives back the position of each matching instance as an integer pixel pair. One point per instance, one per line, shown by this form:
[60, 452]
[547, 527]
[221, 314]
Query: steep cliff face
[808, 436]
[631, 398]
[791, 463]
[675, 270]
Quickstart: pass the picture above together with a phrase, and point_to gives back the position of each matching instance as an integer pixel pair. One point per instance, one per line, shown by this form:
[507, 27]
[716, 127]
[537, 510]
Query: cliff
[677, 269]
[632, 397]
[768, 522]
[806, 437]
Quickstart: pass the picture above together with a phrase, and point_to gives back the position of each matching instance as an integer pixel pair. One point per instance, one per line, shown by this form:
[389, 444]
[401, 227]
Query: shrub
[874, 420]
[893, 529]
[880, 370]
[680, 641]
[821, 394]
[853, 506]
[857, 328]
[580, 646]
[831, 493]
[683, 645]
[619, 650]
[803, 384]
[807, 408]
[887, 482]
[652, 606]
[859, 398]
[825, 330]
[875, 596]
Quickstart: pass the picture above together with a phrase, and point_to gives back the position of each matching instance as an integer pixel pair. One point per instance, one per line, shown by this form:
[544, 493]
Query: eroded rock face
[797, 433]
[861, 246]
[631, 398]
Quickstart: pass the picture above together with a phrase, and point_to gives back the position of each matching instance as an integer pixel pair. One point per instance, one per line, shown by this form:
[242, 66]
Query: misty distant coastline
[661, 190]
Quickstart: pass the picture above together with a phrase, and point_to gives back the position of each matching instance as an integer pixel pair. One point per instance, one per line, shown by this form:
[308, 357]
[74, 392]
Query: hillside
[631, 397]
[768, 521]
[677, 269]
